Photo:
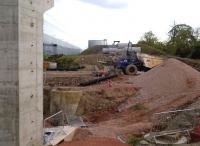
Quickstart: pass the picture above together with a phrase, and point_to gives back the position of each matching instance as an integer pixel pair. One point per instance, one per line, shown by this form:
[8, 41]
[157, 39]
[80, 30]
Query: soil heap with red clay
[169, 86]
[172, 83]
[95, 142]
[171, 78]
[81, 134]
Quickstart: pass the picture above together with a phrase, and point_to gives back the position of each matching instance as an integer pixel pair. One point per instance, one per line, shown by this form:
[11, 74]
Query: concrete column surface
[21, 71]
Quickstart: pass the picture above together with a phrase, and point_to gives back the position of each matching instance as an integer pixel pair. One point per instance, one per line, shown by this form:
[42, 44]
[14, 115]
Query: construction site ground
[124, 106]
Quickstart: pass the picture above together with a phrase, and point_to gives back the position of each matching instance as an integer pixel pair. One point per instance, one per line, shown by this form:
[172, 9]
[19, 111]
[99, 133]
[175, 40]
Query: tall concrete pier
[21, 71]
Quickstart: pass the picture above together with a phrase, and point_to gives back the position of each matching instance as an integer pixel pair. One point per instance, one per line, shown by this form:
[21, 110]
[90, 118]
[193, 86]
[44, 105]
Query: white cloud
[113, 4]
[77, 21]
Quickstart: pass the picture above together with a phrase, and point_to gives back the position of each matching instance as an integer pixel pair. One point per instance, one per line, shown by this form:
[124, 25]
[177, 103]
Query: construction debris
[98, 80]
[55, 135]
[76, 121]
[168, 85]
[71, 79]
[173, 127]
[169, 79]
[95, 142]
[125, 105]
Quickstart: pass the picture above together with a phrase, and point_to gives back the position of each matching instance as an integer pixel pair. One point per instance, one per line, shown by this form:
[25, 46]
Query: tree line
[183, 41]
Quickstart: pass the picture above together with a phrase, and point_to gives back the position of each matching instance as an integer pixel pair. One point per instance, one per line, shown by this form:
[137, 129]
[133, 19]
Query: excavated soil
[167, 87]
[169, 84]
[127, 107]
[81, 134]
[71, 78]
[173, 77]
[95, 142]
[100, 102]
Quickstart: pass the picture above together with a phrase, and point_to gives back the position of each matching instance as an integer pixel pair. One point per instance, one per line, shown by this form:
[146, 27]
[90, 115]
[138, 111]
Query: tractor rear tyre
[131, 69]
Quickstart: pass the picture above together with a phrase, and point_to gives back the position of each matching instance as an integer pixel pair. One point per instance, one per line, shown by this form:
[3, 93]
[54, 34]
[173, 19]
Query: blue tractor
[130, 66]
[128, 62]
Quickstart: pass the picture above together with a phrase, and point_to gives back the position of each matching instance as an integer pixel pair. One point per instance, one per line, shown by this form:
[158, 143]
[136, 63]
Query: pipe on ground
[95, 81]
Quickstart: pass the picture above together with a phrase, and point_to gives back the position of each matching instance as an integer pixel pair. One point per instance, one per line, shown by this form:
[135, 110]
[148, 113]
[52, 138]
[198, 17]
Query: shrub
[138, 106]
[134, 141]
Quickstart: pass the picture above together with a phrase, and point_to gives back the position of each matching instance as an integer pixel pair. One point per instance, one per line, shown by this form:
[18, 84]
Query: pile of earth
[95, 142]
[170, 86]
[99, 102]
[171, 78]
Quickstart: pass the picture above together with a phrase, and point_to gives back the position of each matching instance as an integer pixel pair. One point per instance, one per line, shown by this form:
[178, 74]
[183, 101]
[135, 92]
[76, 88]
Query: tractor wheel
[131, 69]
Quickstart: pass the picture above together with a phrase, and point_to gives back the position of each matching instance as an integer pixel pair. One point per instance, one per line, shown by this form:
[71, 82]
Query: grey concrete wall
[67, 101]
[9, 73]
[21, 83]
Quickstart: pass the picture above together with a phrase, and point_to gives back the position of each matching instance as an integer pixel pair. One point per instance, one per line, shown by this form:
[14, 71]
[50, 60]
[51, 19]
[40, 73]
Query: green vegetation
[65, 62]
[195, 53]
[134, 141]
[151, 50]
[93, 50]
[45, 56]
[138, 106]
[183, 41]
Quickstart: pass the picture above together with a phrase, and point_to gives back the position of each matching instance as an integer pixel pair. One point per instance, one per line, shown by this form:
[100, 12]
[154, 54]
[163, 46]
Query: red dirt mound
[167, 84]
[81, 134]
[173, 77]
[95, 142]
[170, 86]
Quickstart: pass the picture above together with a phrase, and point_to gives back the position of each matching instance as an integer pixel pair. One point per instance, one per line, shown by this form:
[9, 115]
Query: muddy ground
[126, 106]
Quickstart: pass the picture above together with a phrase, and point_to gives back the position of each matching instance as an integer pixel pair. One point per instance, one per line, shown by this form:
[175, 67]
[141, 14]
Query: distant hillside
[150, 50]
[54, 46]
[145, 49]
[93, 50]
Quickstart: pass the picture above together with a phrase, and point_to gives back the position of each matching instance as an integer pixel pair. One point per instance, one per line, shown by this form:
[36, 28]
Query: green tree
[181, 40]
[197, 34]
[149, 38]
[195, 54]
[45, 57]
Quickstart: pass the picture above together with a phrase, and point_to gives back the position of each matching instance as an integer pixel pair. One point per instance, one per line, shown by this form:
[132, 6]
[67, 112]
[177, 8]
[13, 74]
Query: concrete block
[8, 2]
[67, 101]
[21, 111]
[8, 32]
[10, 63]
[8, 15]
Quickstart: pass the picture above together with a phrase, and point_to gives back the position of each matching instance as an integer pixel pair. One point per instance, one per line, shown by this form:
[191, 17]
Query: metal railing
[171, 126]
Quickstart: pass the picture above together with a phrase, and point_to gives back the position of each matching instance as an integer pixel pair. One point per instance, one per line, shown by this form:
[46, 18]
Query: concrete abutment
[21, 71]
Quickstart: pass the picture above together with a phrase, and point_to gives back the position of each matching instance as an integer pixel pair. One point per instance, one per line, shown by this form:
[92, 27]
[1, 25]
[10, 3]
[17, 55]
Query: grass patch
[94, 50]
[134, 141]
[138, 107]
[151, 50]
[64, 62]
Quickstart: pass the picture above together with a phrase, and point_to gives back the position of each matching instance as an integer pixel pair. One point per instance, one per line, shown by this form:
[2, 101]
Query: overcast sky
[78, 21]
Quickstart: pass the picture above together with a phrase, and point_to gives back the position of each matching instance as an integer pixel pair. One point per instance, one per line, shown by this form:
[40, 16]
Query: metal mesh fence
[173, 127]
[175, 121]
[57, 119]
